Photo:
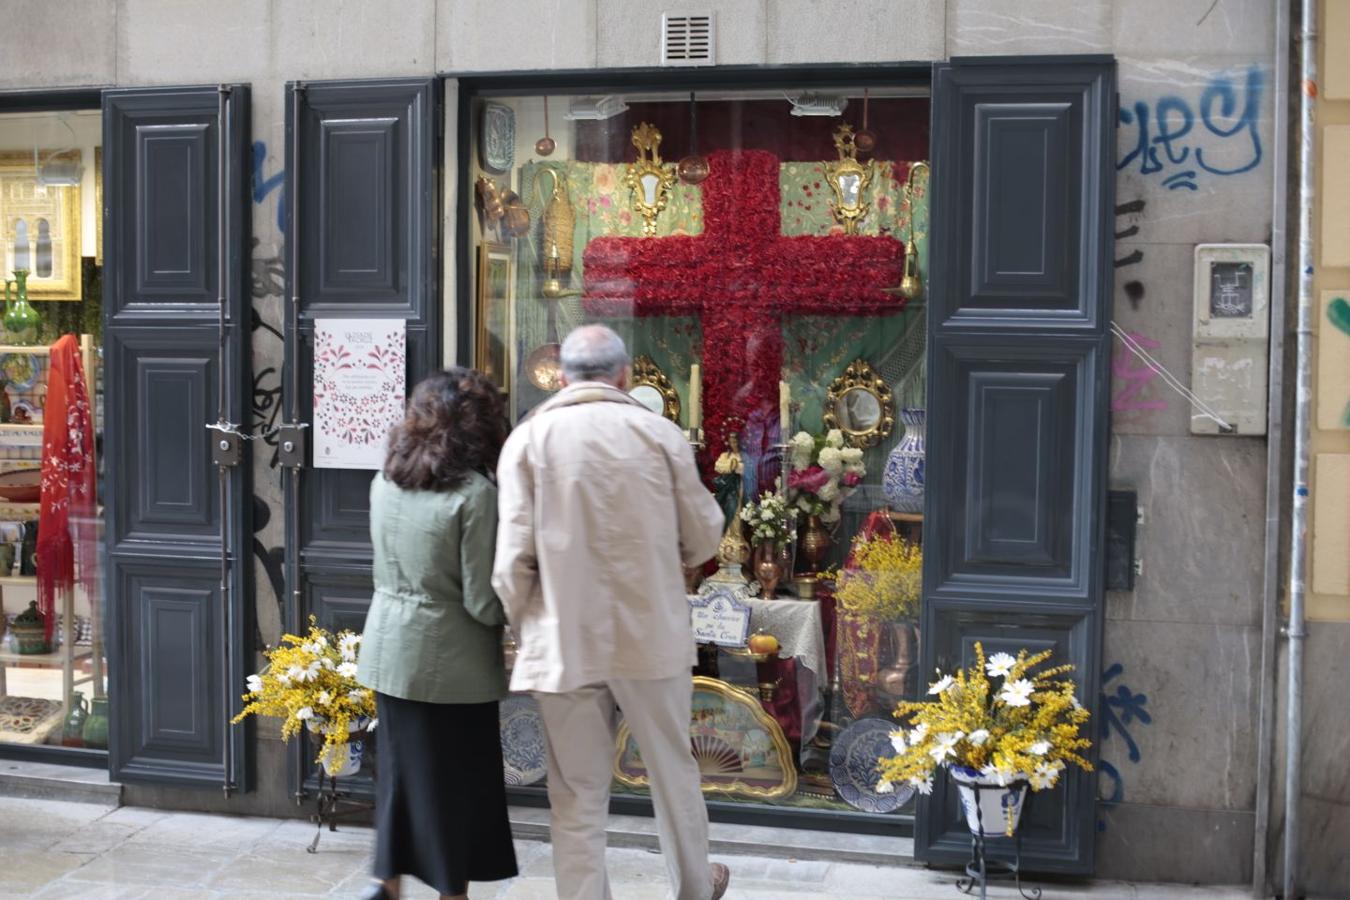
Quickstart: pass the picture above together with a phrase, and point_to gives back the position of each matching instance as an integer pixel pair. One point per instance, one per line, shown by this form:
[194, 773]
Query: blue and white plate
[853, 767]
[523, 751]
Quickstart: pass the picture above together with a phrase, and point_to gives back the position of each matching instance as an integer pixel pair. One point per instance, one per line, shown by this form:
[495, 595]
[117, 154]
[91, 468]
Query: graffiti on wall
[1181, 139]
[1119, 710]
[263, 185]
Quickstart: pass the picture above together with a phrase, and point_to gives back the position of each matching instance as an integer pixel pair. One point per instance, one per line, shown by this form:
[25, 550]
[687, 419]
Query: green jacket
[434, 629]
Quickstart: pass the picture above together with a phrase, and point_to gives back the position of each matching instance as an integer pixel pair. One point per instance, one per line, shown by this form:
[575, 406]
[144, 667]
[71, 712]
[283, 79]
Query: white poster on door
[360, 381]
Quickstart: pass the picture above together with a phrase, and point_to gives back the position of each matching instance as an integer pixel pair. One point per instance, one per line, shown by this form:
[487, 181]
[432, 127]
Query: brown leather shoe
[721, 878]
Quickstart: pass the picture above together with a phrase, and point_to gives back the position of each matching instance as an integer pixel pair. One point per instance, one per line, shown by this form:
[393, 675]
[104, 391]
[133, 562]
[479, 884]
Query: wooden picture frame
[49, 214]
[492, 314]
[741, 749]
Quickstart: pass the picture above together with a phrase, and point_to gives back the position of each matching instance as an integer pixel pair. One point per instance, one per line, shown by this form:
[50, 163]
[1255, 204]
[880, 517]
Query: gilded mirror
[859, 404]
[653, 389]
[649, 178]
[849, 180]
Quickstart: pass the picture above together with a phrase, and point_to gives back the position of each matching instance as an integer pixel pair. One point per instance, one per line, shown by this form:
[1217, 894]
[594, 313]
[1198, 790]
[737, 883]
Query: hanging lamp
[693, 169]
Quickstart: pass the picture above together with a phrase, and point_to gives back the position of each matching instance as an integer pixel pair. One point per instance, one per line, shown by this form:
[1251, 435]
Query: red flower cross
[740, 277]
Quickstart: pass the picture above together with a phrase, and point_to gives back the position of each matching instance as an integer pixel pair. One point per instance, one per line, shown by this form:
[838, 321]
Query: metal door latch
[227, 444]
[291, 444]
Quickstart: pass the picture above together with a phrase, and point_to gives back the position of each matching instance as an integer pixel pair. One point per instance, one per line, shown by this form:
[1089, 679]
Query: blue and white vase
[999, 807]
[903, 480]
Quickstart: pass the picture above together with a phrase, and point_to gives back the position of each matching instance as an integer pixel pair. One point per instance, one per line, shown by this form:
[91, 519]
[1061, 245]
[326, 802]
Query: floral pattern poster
[360, 382]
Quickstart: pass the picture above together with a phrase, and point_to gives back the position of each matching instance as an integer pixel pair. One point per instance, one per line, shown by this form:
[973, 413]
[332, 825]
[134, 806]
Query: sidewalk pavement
[53, 849]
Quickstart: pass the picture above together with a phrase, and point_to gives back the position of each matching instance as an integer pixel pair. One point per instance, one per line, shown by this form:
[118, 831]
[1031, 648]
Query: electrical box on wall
[1230, 338]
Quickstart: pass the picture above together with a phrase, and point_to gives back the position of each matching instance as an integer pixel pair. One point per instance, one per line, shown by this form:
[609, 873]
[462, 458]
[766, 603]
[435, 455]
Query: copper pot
[815, 544]
[767, 572]
[516, 218]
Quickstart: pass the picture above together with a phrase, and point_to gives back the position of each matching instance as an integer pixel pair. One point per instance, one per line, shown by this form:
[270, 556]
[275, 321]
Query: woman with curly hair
[432, 646]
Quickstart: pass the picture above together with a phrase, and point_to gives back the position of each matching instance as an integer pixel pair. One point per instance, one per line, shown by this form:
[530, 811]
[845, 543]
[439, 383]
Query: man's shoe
[721, 878]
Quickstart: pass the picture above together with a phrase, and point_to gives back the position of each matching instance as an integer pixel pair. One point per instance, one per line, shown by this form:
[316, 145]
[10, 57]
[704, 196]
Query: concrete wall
[1182, 650]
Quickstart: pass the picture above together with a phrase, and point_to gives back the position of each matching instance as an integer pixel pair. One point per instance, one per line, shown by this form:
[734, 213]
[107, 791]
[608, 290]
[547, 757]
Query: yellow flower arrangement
[887, 582]
[998, 719]
[310, 682]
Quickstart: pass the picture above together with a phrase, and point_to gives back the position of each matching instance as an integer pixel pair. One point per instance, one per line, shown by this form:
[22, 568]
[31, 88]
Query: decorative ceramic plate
[21, 370]
[497, 138]
[853, 767]
[523, 749]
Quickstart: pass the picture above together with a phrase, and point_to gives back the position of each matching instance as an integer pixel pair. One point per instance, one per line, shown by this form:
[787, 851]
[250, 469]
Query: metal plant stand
[979, 870]
[334, 805]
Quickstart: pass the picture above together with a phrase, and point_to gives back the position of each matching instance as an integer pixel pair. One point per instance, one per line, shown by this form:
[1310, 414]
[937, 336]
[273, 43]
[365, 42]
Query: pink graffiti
[1136, 375]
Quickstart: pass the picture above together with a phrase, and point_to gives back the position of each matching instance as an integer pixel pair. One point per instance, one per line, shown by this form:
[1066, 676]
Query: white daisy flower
[324, 698]
[945, 746]
[295, 673]
[922, 785]
[255, 684]
[978, 737]
[941, 685]
[885, 787]
[347, 670]
[1000, 664]
[357, 696]
[1018, 693]
[373, 723]
[994, 772]
[1040, 748]
[304, 713]
[898, 741]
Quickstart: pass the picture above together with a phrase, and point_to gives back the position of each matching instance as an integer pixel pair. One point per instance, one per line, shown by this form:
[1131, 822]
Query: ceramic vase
[73, 733]
[815, 543]
[348, 761]
[995, 809]
[21, 320]
[95, 732]
[903, 479]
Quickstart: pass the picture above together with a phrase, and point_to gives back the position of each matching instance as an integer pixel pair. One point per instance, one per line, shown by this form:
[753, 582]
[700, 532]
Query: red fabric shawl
[66, 527]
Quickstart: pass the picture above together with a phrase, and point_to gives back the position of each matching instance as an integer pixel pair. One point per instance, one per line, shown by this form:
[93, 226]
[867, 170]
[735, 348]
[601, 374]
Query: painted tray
[497, 138]
[523, 750]
[853, 767]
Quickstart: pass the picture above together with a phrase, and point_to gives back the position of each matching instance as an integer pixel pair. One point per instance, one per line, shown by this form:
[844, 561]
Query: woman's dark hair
[455, 424]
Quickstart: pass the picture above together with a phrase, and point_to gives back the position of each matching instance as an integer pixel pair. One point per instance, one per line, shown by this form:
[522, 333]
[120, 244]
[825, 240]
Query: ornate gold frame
[861, 376]
[98, 205]
[848, 214]
[14, 166]
[647, 372]
[647, 140]
[741, 697]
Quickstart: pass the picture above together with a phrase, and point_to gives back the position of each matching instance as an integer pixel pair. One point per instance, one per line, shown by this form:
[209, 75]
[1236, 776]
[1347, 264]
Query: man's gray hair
[594, 353]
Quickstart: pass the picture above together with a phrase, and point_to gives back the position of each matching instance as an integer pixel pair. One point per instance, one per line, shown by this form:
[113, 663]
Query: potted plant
[824, 472]
[771, 522]
[998, 728]
[310, 682]
[883, 583]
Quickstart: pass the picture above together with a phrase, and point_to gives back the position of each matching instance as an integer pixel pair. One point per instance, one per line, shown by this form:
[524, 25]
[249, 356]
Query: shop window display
[52, 659]
[766, 268]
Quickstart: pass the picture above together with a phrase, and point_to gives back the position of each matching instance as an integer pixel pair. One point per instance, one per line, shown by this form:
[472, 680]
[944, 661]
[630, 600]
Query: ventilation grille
[688, 39]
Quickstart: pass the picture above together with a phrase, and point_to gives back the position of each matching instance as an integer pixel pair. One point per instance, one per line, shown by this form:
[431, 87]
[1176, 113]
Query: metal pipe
[1302, 431]
[1270, 587]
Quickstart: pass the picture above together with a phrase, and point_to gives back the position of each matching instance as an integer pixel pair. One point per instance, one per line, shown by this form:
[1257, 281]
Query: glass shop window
[53, 670]
[763, 255]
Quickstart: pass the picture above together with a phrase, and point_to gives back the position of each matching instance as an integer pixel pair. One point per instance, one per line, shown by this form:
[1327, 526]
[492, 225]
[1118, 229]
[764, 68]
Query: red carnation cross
[740, 277]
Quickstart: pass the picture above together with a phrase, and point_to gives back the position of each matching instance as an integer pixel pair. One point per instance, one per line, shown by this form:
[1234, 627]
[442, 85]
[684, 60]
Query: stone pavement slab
[56, 849]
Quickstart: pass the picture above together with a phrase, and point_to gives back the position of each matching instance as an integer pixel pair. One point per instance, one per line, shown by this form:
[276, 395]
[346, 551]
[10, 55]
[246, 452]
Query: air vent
[687, 39]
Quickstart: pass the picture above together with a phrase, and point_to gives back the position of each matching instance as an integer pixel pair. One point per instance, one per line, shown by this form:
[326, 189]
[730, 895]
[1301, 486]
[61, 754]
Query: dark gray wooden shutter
[1020, 288]
[177, 230]
[363, 160]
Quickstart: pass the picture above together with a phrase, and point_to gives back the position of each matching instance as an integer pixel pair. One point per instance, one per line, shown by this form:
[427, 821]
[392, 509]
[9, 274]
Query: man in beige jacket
[601, 507]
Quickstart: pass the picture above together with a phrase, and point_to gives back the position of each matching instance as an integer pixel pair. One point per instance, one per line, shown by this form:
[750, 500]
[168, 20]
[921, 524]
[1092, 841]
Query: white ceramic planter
[1000, 808]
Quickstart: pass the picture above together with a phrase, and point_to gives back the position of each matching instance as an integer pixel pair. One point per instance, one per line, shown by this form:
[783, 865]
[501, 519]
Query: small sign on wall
[1231, 336]
[719, 618]
[360, 382]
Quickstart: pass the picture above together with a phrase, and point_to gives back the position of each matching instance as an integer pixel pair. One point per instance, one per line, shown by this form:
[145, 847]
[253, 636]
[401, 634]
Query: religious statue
[729, 482]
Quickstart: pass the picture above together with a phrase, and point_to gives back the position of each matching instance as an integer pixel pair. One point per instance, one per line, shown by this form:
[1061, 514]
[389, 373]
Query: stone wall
[1195, 150]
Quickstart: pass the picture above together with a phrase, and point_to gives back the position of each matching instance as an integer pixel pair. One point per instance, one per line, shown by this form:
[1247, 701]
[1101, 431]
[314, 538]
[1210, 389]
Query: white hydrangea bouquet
[825, 471]
[310, 682]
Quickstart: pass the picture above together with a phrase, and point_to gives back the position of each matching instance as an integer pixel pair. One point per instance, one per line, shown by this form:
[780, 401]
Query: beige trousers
[580, 730]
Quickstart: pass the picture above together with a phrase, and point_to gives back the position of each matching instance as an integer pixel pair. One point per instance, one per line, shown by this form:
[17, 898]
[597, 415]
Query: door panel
[1023, 184]
[1020, 164]
[177, 358]
[363, 162]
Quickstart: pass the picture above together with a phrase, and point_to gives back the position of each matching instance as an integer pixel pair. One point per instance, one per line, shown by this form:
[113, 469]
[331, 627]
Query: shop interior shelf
[55, 660]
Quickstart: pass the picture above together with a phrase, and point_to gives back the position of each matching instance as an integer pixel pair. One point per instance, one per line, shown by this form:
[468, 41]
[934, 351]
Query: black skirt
[440, 795]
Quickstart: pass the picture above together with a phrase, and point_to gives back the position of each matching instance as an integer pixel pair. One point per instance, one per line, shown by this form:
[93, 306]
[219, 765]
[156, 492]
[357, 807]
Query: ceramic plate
[497, 138]
[853, 766]
[21, 370]
[523, 749]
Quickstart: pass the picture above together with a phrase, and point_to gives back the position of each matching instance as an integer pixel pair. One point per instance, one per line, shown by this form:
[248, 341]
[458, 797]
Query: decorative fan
[714, 755]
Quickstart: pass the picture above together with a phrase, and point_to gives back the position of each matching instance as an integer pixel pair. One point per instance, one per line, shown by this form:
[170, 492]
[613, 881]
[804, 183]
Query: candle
[784, 408]
[695, 397]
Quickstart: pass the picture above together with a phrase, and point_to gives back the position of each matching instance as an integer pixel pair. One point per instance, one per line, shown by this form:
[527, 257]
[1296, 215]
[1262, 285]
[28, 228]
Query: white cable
[1206, 411]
